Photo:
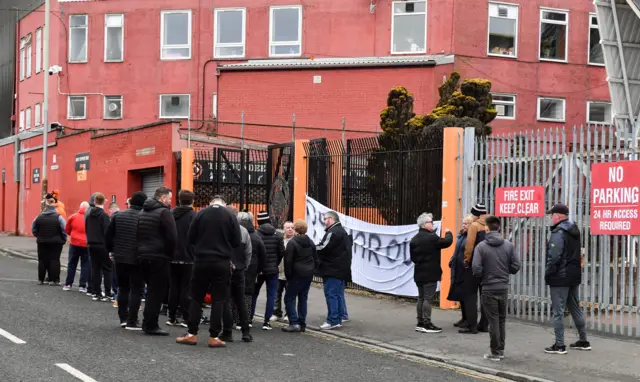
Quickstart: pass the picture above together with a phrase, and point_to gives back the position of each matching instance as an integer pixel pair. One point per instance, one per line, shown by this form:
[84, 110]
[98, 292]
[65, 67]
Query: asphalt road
[68, 328]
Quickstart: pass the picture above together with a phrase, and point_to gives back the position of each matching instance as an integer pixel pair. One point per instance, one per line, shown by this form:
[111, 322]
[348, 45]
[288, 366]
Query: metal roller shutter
[152, 179]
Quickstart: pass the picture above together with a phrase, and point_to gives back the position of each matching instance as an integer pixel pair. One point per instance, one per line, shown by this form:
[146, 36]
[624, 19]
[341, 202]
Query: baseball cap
[559, 209]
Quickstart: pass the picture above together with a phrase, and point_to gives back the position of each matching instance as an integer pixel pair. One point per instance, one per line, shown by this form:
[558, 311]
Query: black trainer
[156, 332]
[580, 345]
[555, 349]
[431, 328]
[134, 326]
[172, 322]
[247, 337]
[226, 337]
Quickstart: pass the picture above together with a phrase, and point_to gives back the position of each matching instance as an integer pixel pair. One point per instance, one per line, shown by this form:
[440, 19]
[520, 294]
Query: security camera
[55, 69]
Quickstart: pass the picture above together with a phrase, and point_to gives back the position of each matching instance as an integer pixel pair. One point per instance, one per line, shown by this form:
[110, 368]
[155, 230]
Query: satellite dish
[113, 107]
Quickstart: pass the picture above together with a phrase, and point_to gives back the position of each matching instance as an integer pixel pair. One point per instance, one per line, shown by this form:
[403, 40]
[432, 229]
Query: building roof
[346, 62]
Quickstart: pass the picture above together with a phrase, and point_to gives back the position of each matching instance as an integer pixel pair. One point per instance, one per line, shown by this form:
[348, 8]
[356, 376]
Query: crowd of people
[179, 259]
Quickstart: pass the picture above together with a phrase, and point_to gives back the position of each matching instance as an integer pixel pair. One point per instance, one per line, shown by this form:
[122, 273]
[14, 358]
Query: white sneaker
[82, 290]
[328, 326]
[273, 318]
[66, 288]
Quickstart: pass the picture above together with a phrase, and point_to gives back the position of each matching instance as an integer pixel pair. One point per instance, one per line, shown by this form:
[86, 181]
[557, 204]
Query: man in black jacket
[214, 234]
[122, 241]
[241, 260]
[157, 237]
[564, 275]
[334, 254]
[426, 249]
[182, 263]
[274, 245]
[96, 227]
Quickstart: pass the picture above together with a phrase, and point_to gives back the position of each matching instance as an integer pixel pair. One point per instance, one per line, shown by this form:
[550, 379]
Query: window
[599, 112]
[505, 105]
[78, 38]
[409, 27]
[27, 124]
[113, 38]
[21, 125]
[596, 56]
[29, 55]
[113, 107]
[175, 29]
[215, 106]
[174, 106]
[285, 31]
[38, 50]
[551, 109]
[23, 59]
[229, 40]
[38, 115]
[503, 30]
[553, 35]
[77, 108]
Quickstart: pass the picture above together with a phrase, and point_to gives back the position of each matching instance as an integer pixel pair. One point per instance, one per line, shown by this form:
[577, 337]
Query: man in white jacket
[278, 314]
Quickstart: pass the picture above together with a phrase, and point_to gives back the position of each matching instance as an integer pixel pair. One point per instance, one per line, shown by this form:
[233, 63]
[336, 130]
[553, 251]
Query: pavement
[379, 323]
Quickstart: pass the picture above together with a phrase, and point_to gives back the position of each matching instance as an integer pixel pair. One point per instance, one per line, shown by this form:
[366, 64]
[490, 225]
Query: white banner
[381, 260]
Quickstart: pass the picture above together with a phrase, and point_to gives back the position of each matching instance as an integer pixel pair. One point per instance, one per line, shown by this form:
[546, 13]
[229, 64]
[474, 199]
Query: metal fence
[560, 160]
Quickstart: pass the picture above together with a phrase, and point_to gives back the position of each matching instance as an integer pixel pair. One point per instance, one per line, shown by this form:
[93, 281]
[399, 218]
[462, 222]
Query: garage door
[152, 179]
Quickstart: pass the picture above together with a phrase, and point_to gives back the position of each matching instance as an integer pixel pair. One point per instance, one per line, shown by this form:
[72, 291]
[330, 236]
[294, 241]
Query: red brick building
[130, 63]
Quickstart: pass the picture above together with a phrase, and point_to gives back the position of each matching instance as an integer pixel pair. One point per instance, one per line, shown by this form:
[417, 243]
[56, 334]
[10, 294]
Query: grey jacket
[493, 260]
[245, 239]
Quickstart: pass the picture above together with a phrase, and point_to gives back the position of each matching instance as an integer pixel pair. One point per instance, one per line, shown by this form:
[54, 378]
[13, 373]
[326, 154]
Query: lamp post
[45, 103]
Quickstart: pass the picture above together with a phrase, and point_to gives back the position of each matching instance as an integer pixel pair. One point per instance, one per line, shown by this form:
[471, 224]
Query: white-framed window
[409, 27]
[175, 106]
[21, 123]
[37, 115]
[285, 31]
[229, 33]
[38, 50]
[78, 36]
[551, 109]
[554, 35]
[175, 32]
[599, 112]
[114, 38]
[42, 113]
[113, 107]
[27, 119]
[596, 55]
[215, 106]
[29, 54]
[505, 105]
[23, 58]
[77, 107]
[503, 30]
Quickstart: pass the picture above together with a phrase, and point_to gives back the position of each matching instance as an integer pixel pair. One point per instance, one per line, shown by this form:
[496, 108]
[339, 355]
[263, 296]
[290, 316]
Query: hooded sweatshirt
[183, 215]
[475, 235]
[493, 260]
[301, 258]
[564, 255]
[92, 205]
[49, 227]
[76, 228]
[96, 226]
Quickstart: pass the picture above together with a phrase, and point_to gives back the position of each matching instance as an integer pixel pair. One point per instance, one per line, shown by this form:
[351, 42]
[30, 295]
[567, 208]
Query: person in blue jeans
[300, 262]
[334, 254]
[274, 245]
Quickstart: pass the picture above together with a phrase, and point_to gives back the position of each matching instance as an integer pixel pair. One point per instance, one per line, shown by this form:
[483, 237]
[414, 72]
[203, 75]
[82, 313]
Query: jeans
[272, 290]
[426, 296]
[179, 290]
[334, 294]
[494, 303]
[156, 274]
[297, 288]
[214, 277]
[100, 267]
[49, 261]
[569, 296]
[236, 290]
[282, 284]
[78, 254]
[130, 292]
[345, 314]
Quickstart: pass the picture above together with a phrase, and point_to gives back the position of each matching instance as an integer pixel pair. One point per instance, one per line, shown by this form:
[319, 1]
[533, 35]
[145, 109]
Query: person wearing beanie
[122, 242]
[59, 205]
[96, 227]
[475, 235]
[274, 244]
[49, 230]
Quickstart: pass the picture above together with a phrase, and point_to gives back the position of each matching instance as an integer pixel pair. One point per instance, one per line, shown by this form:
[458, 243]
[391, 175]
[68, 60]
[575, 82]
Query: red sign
[520, 202]
[615, 204]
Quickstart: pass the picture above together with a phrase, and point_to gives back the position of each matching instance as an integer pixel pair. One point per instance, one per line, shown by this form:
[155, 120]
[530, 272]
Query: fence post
[347, 199]
[468, 182]
[300, 178]
[452, 148]
[186, 169]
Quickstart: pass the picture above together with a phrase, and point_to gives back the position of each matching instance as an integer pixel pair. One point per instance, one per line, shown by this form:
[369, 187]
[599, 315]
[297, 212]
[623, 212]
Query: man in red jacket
[78, 250]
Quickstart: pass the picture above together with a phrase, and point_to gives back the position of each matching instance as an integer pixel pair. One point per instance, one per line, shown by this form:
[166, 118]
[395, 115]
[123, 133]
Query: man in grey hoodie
[493, 260]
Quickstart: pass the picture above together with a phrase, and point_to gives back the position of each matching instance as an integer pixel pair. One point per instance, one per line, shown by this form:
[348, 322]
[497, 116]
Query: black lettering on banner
[371, 248]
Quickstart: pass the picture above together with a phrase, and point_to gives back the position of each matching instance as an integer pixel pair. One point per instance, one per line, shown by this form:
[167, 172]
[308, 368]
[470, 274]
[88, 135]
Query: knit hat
[263, 218]
[478, 210]
[138, 199]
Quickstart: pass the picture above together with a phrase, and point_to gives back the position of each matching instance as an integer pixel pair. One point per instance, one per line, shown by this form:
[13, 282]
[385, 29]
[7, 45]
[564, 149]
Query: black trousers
[282, 285]
[101, 266]
[49, 261]
[179, 290]
[156, 274]
[236, 290]
[472, 288]
[130, 284]
[214, 277]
